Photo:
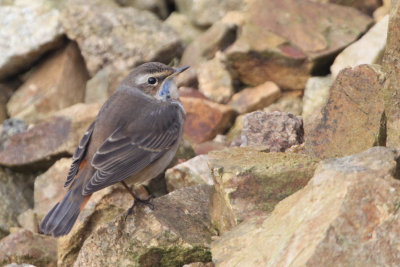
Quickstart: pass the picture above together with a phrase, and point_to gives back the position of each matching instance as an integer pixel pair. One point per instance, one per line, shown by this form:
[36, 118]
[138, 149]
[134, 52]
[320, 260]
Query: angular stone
[316, 95]
[366, 6]
[29, 29]
[28, 220]
[216, 38]
[368, 50]
[158, 7]
[27, 247]
[289, 103]
[276, 131]
[215, 81]
[249, 182]
[251, 99]
[273, 46]
[390, 67]
[192, 172]
[200, 12]
[41, 145]
[205, 119]
[15, 197]
[122, 38]
[49, 186]
[176, 232]
[182, 25]
[352, 120]
[58, 82]
[345, 214]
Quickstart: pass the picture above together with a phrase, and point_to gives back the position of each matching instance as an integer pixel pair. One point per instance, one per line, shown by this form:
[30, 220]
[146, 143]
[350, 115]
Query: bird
[135, 135]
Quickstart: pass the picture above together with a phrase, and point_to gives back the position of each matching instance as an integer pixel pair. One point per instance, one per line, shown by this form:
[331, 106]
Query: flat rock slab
[352, 120]
[176, 232]
[345, 215]
[249, 182]
[284, 41]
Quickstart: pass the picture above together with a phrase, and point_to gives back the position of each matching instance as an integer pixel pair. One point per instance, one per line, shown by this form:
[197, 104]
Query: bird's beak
[179, 70]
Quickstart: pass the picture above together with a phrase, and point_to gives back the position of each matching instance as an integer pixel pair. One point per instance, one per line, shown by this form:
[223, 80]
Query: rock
[118, 37]
[368, 50]
[353, 118]
[29, 29]
[233, 136]
[199, 264]
[202, 15]
[158, 7]
[215, 81]
[10, 127]
[192, 172]
[273, 46]
[176, 232]
[185, 152]
[276, 131]
[316, 95]
[208, 146]
[205, 119]
[27, 247]
[366, 6]
[29, 221]
[103, 85]
[58, 82]
[216, 38]
[249, 182]
[251, 99]
[345, 214]
[292, 104]
[104, 206]
[5, 93]
[49, 140]
[182, 25]
[15, 197]
[190, 92]
[49, 186]
[392, 90]
[19, 265]
[382, 11]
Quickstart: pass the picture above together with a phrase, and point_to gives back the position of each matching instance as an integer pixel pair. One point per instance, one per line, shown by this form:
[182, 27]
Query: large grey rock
[347, 215]
[176, 232]
[109, 35]
[28, 30]
[15, 197]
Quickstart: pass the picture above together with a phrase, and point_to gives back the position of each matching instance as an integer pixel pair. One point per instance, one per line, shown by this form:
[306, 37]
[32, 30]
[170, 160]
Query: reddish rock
[26, 247]
[352, 120]
[366, 6]
[277, 131]
[205, 119]
[41, 145]
[251, 99]
[190, 92]
[58, 82]
[284, 41]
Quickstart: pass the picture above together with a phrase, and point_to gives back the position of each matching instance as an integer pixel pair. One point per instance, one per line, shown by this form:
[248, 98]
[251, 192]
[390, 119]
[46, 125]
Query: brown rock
[344, 216]
[49, 186]
[122, 38]
[190, 92]
[216, 38]
[41, 145]
[383, 10]
[158, 7]
[176, 232]
[182, 25]
[275, 131]
[352, 119]
[233, 136]
[28, 220]
[58, 82]
[251, 99]
[199, 264]
[208, 146]
[27, 247]
[366, 6]
[272, 46]
[392, 90]
[200, 12]
[189, 173]
[6, 90]
[287, 103]
[215, 81]
[205, 119]
[316, 95]
[249, 182]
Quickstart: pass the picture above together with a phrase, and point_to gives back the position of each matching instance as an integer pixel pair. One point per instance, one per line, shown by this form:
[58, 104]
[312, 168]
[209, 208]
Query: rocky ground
[291, 147]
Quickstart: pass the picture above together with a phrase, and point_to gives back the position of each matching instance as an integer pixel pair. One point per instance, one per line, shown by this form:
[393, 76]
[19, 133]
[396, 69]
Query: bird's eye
[152, 80]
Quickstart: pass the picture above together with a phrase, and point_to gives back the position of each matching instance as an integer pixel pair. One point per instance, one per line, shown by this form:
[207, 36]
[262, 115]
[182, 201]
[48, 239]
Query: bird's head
[155, 79]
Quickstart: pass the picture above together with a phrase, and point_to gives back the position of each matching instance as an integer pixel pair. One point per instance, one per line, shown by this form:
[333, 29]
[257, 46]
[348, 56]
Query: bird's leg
[146, 201]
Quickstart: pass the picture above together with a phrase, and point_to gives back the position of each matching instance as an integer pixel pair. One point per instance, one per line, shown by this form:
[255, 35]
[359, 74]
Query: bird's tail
[62, 216]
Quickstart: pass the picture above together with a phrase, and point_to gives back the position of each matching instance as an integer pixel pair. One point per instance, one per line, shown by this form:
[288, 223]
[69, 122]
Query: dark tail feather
[62, 216]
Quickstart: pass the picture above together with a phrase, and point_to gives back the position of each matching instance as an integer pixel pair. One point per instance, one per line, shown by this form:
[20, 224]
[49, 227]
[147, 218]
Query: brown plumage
[136, 134]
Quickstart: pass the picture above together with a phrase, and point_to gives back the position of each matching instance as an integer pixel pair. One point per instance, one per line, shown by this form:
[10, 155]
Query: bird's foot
[146, 202]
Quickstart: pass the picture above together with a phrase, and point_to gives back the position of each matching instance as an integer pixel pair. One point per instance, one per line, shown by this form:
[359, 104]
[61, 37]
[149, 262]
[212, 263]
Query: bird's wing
[133, 146]
[79, 155]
